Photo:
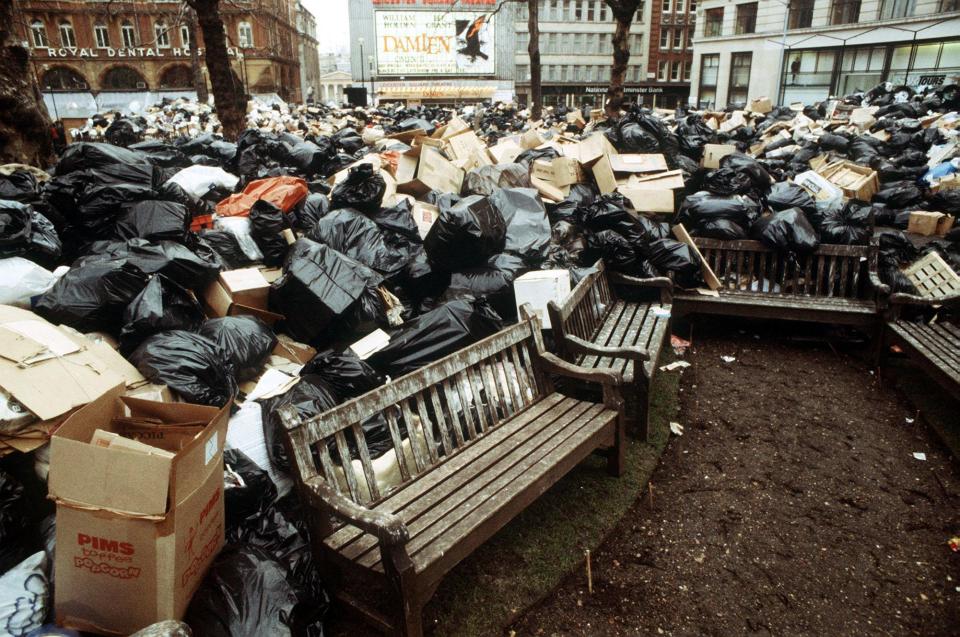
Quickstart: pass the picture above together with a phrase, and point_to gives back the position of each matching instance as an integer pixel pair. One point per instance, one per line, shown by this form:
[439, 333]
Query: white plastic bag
[239, 227]
[199, 180]
[24, 596]
[21, 280]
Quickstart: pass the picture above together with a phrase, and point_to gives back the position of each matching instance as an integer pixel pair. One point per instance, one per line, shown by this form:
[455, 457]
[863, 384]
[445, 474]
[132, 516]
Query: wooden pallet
[933, 277]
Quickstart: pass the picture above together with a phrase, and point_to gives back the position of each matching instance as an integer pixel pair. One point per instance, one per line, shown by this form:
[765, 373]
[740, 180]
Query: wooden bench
[596, 329]
[834, 284]
[933, 346]
[490, 434]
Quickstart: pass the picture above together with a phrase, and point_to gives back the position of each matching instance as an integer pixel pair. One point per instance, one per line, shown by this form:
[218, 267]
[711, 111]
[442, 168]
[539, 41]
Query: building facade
[309, 52]
[332, 86]
[670, 60]
[808, 50]
[104, 51]
[433, 51]
[576, 52]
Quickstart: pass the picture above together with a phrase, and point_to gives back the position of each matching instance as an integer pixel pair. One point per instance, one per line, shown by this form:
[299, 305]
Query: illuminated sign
[434, 43]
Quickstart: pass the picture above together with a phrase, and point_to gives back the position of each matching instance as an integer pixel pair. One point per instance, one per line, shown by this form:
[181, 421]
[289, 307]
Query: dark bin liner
[897, 248]
[98, 209]
[309, 397]
[786, 194]
[863, 148]
[723, 229]
[20, 185]
[617, 253]
[245, 341]
[94, 155]
[485, 180]
[727, 181]
[319, 285]
[415, 123]
[347, 139]
[786, 231]
[441, 199]
[423, 279]
[174, 260]
[153, 220]
[161, 154]
[567, 245]
[703, 206]
[311, 210]
[310, 158]
[492, 281]
[466, 234]
[174, 192]
[27, 233]
[92, 296]
[343, 373]
[946, 201]
[630, 137]
[829, 141]
[16, 543]
[893, 276]
[267, 223]
[161, 306]
[362, 190]
[759, 177]
[528, 229]
[247, 592]
[580, 195]
[693, 134]
[351, 233]
[225, 245]
[610, 212]
[669, 255]
[431, 336]
[849, 225]
[899, 194]
[189, 364]
[527, 157]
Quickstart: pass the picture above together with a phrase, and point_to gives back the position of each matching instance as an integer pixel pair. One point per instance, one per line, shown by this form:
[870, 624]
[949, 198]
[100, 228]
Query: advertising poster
[434, 43]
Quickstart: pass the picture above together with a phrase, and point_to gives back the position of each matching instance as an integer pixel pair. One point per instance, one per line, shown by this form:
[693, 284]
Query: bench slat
[368, 474]
[937, 345]
[441, 420]
[418, 435]
[455, 422]
[422, 411]
[391, 416]
[346, 464]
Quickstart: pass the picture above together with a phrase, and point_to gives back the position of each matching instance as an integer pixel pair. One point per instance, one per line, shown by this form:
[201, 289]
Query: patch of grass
[529, 557]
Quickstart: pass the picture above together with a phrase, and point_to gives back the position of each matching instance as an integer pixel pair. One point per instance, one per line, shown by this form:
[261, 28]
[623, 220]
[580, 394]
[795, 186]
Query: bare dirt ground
[792, 505]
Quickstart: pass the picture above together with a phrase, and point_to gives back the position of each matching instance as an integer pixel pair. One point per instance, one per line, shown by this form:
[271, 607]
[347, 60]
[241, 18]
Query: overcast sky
[333, 25]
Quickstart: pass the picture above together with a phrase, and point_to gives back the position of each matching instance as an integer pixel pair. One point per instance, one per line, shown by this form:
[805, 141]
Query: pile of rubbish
[167, 293]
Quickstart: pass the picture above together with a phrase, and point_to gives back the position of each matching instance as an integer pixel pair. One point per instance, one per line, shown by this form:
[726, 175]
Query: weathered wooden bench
[834, 284]
[595, 328]
[934, 346]
[478, 436]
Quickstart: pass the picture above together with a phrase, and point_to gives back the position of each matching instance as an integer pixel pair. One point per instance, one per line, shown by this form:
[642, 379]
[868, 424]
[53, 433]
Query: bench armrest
[577, 345]
[556, 365]
[389, 529]
[879, 286]
[653, 282]
[912, 299]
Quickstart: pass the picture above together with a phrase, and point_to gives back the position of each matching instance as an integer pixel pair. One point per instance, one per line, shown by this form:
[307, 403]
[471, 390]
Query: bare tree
[24, 122]
[623, 12]
[228, 91]
[533, 50]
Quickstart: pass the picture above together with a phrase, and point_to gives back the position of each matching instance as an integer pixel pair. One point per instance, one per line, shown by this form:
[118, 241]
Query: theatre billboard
[434, 43]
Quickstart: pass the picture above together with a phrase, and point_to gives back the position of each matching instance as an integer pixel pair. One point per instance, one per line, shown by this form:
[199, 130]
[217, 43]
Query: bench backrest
[832, 270]
[430, 413]
[581, 314]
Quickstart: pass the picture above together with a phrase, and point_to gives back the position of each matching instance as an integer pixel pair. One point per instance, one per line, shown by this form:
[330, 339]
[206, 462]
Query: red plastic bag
[284, 192]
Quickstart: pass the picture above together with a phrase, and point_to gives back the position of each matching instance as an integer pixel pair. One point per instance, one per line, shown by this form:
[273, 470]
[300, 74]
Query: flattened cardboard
[504, 152]
[548, 190]
[603, 174]
[590, 149]
[649, 199]
[638, 163]
[670, 179]
[708, 275]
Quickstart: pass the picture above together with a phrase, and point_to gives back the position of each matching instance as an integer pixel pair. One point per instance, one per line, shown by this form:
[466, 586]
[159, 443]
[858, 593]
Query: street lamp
[363, 80]
[783, 48]
[373, 86]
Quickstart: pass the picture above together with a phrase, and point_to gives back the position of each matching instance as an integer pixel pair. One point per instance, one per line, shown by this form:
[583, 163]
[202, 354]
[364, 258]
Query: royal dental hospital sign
[132, 52]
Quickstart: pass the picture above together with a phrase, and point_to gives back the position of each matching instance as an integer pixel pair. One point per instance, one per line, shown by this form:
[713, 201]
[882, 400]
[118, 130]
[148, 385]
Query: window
[662, 71]
[577, 10]
[686, 70]
[185, 36]
[123, 78]
[896, 9]
[664, 39]
[665, 6]
[949, 5]
[693, 6]
[162, 33]
[845, 12]
[128, 37]
[746, 18]
[739, 78]
[246, 35]
[61, 78]
[714, 24]
[709, 69]
[678, 39]
[675, 71]
[178, 76]
[101, 36]
[563, 73]
[801, 14]
[68, 38]
[689, 38]
[679, 8]
[603, 11]
[591, 15]
[39, 33]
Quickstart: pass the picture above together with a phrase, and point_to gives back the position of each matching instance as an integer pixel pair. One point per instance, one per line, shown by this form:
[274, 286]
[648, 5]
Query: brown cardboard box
[924, 223]
[135, 532]
[633, 163]
[560, 171]
[505, 151]
[246, 286]
[531, 139]
[856, 182]
[649, 199]
[590, 149]
[434, 172]
[603, 174]
[945, 224]
[217, 301]
[548, 191]
[761, 105]
[713, 153]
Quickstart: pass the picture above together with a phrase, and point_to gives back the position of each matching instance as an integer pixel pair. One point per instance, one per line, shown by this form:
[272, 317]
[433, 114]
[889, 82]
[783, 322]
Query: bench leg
[408, 606]
[615, 456]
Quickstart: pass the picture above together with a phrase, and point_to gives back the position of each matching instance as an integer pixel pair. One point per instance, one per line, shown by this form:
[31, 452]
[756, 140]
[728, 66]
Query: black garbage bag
[617, 253]
[310, 396]
[351, 233]
[267, 223]
[899, 194]
[227, 248]
[93, 155]
[829, 141]
[247, 592]
[704, 206]
[485, 180]
[161, 306]
[466, 234]
[249, 498]
[580, 195]
[610, 212]
[343, 373]
[423, 279]
[192, 270]
[693, 134]
[630, 137]
[20, 185]
[362, 190]
[431, 336]
[98, 209]
[311, 210]
[416, 123]
[946, 201]
[723, 229]
[441, 199]
[310, 158]
[153, 220]
[123, 131]
[92, 296]
[727, 181]
[897, 248]
[174, 192]
[786, 231]
[16, 543]
[245, 341]
[893, 276]
[863, 148]
[528, 229]
[161, 154]
[44, 246]
[320, 285]
[759, 177]
[530, 155]
[567, 243]
[348, 139]
[669, 255]
[786, 194]
[15, 228]
[849, 225]
[492, 281]
[189, 364]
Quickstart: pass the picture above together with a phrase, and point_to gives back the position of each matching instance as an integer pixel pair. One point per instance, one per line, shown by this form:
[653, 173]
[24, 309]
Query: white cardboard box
[539, 288]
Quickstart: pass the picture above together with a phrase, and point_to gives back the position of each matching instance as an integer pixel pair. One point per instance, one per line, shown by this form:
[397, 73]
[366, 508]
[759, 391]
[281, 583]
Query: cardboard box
[505, 151]
[135, 532]
[633, 163]
[818, 186]
[434, 172]
[560, 171]
[539, 288]
[761, 105]
[603, 174]
[589, 149]
[856, 182]
[649, 199]
[945, 224]
[424, 215]
[246, 286]
[548, 191]
[531, 139]
[924, 223]
[713, 153]
[217, 301]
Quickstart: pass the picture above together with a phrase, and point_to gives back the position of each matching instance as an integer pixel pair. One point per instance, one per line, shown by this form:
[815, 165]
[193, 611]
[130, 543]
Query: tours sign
[434, 43]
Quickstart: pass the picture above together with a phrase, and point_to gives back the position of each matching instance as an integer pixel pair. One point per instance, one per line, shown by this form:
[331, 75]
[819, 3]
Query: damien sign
[434, 43]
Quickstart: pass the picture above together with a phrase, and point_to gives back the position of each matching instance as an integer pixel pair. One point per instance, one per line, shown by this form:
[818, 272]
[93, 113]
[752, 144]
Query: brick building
[670, 56]
[103, 48]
